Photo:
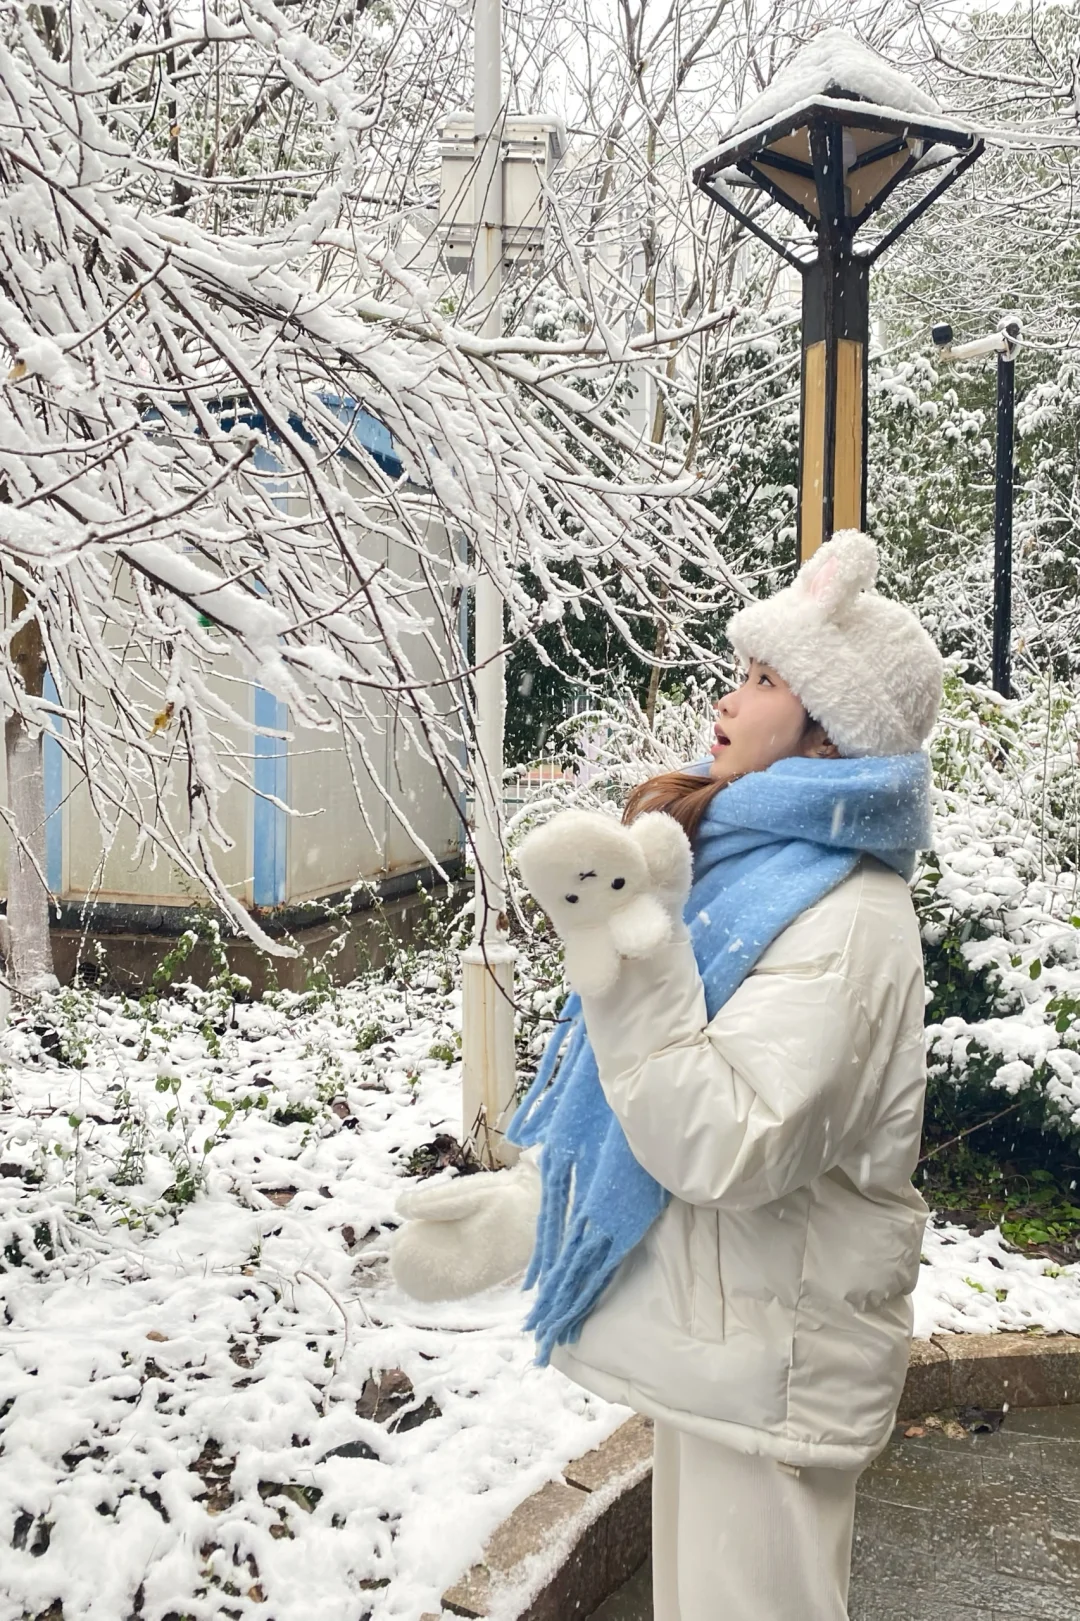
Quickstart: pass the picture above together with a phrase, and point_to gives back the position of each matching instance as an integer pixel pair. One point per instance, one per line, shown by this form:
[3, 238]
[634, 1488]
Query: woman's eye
[764, 680]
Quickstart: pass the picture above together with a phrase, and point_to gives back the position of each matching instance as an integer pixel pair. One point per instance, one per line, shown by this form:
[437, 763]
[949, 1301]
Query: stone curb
[562, 1551]
[567, 1547]
[991, 1370]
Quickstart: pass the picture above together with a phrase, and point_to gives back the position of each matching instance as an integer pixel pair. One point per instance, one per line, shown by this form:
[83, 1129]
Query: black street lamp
[1004, 344]
[830, 140]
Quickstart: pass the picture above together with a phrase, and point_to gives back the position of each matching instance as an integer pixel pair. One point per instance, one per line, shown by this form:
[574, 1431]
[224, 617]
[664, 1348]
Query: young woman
[729, 1236]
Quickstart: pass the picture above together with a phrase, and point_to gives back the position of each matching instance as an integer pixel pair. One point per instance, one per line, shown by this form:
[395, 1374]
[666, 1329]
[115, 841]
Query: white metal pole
[487, 1036]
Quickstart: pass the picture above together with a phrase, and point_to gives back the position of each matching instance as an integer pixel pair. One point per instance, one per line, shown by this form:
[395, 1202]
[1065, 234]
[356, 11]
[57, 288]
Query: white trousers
[738, 1538]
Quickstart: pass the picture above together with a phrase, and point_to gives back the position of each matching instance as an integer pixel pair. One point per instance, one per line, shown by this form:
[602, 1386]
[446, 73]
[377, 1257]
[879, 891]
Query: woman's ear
[817, 744]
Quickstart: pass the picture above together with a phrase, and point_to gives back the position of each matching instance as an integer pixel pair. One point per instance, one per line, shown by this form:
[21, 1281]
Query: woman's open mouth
[722, 741]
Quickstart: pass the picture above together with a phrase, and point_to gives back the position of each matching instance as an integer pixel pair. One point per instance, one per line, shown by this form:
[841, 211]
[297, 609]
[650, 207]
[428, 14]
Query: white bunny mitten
[463, 1236]
[611, 891]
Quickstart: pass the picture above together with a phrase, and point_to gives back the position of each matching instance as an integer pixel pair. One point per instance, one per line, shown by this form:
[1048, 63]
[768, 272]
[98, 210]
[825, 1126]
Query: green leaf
[1035, 968]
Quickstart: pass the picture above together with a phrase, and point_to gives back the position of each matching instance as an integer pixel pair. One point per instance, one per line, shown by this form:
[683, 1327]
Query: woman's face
[762, 722]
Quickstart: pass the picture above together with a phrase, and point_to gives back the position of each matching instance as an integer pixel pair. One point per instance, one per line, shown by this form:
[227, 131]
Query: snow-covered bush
[999, 906]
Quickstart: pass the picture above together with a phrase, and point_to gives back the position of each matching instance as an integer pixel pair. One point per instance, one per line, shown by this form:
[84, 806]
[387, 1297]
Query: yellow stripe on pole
[848, 462]
[848, 487]
[813, 451]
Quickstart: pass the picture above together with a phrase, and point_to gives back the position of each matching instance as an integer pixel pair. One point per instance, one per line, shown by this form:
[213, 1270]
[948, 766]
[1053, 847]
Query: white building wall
[327, 844]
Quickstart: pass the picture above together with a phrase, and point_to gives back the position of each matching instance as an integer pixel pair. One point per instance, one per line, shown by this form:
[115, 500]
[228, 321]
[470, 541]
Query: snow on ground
[213, 1402]
[979, 1285]
[175, 1395]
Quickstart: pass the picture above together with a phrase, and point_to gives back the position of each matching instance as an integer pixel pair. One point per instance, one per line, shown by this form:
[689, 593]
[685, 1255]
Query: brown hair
[680, 794]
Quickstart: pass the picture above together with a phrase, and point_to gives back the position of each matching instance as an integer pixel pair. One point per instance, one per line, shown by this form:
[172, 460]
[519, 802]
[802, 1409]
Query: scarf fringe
[554, 1204]
[531, 1114]
[588, 1263]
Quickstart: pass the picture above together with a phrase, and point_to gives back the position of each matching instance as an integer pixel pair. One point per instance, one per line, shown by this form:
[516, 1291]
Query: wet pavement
[981, 1529]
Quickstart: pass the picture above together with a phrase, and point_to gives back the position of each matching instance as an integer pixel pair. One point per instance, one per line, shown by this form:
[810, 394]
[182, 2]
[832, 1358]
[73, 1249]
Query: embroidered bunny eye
[571, 898]
[618, 883]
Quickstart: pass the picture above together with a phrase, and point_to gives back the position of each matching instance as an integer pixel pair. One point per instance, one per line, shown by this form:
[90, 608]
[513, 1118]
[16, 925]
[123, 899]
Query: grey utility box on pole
[532, 148]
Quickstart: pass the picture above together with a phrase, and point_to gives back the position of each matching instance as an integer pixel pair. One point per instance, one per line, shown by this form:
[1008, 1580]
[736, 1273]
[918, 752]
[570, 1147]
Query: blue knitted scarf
[769, 846]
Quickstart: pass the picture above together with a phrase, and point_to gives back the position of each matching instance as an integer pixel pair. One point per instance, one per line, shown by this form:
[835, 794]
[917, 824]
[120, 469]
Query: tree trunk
[28, 948]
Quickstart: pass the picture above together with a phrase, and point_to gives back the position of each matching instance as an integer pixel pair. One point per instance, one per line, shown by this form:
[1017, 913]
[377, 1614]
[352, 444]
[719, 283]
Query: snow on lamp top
[833, 135]
[834, 64]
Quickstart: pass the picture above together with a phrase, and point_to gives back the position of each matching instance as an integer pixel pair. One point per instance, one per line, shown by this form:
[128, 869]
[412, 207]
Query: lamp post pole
[1003, 518]
[830, 141]
[487, 1013]
[835, 335]
[1004, 345]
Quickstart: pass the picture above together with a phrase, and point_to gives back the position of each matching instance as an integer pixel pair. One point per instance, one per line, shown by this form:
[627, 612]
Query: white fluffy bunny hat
[860, 664]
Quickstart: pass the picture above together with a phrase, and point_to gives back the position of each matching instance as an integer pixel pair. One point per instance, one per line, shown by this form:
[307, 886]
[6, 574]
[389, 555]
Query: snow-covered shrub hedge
[999, 905]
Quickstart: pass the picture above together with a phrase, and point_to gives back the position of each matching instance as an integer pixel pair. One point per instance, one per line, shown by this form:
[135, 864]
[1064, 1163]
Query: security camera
[942, 334]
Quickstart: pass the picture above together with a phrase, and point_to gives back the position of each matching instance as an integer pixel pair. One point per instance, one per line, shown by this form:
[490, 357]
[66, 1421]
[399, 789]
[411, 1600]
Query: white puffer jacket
[769, 1307]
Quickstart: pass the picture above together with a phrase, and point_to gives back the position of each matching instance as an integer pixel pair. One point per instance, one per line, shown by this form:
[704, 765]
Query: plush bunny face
[611, 891]
[582, 868]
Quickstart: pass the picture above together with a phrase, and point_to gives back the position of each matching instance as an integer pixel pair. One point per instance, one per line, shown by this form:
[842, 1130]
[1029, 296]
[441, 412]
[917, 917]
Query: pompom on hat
[859, 663]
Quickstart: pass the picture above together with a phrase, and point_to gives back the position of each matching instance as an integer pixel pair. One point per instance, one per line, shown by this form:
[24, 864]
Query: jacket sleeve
[745, 1109]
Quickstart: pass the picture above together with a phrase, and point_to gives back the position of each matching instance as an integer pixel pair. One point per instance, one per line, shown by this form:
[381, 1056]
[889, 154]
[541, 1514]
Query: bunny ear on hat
[837, 572]
[860, 664]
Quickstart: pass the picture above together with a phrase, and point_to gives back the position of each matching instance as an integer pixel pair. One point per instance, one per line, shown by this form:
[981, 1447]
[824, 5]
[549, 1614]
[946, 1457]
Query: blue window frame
[270, 831]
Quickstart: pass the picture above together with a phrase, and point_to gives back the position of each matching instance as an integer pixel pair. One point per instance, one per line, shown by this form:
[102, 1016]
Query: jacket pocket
[707, 1317]
[888, 1266]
